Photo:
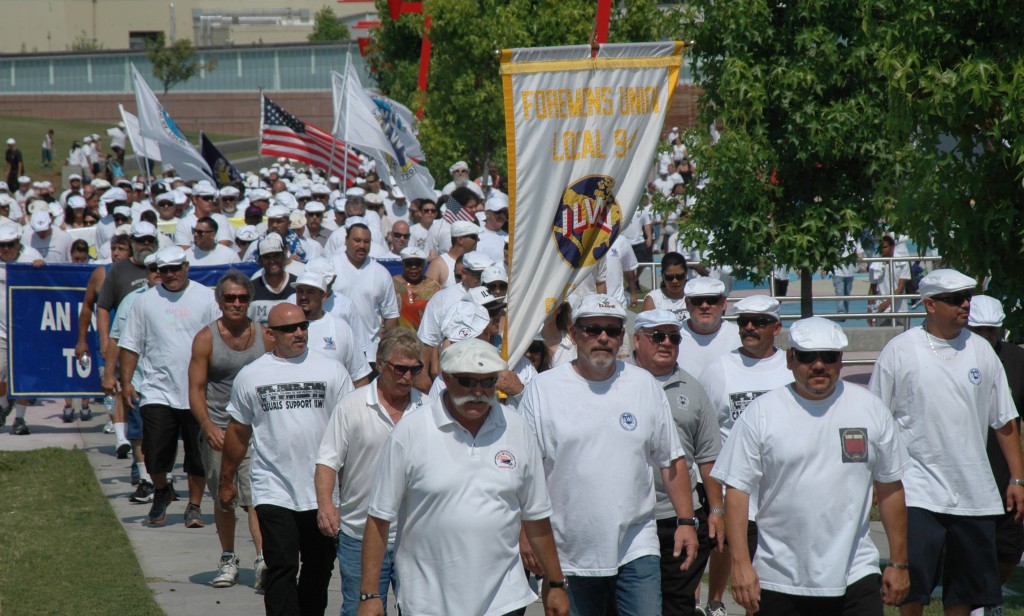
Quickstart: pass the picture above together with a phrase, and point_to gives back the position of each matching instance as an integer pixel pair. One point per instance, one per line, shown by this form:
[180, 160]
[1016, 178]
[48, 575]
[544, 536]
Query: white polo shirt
[458, 501]
[601, 441]
[698, 351]
[352, 443]
[332, 337]
[372, 292]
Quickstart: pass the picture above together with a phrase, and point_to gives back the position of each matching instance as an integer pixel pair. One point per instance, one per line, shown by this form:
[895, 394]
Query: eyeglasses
[170, 269]
[954, 299]
[202, 231]
[757, 322]
[700, 300]
[461, 171]
[401, 236]
[470, 382]
[402, 370]
[674, 277]
[291, 327]
[414, 263]
[165, 205]
[152, 268]
[657, 337]
[613, 331]
[149, 239]
[236, 298]
[229, 198]
[497, 286]
[809, 357]
[428, 211]
[8, 244]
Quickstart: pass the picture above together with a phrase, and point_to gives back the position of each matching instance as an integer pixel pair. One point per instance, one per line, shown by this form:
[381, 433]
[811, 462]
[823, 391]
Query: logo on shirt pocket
[974, 375]
[855, 444]
[505, 459]
[329, 344]
[628, 421]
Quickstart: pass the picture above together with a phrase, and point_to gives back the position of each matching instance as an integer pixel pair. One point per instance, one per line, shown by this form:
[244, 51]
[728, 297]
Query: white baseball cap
[472, 356]
[41, 221]
[9, 232]
[599, 305]
[76, 202]
[412, 252]
[310, 279]
[465, 320]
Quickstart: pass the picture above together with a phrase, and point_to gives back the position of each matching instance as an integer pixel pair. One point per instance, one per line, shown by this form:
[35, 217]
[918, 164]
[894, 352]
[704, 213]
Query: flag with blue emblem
[224, 173]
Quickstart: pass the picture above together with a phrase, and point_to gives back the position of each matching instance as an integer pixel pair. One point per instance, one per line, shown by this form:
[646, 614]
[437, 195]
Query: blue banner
[43, 305]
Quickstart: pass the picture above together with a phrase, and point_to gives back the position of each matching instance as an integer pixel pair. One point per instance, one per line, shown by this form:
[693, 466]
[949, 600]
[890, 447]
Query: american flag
[453, 211]
[282, 134]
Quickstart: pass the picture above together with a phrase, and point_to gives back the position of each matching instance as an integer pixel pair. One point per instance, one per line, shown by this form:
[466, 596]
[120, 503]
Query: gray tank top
[225, 363]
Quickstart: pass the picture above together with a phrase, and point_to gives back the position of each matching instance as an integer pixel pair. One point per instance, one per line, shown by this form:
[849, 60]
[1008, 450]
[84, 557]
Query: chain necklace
[929, 337]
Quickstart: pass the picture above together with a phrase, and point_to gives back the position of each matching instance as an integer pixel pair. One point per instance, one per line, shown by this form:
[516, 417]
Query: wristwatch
[694, 522]
[553, 584]
[366, 597]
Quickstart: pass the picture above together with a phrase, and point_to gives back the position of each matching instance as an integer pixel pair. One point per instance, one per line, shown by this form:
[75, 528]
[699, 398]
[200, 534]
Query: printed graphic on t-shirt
[505, 459]
[855, 444]
[738, 401]
[287, 396]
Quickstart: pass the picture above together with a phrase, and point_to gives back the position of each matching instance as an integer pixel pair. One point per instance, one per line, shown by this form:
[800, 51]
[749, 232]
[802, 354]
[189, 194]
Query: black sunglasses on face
[233, 298]
[402, 236]
[8, 244]
[674, 277]
[170, 269]
[757, 322]
[954, 299]
[657, 337]
[402, 370]
[290, 328]
[809, 357]
[613, 331]
[700, 300]
[470, 383]
[497, 286]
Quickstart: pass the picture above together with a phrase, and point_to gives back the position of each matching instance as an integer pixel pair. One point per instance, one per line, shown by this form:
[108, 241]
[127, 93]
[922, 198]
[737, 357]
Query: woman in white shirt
[670, 295]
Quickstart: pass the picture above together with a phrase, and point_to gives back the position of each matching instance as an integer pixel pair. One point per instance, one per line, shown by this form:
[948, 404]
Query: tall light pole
[172, 24]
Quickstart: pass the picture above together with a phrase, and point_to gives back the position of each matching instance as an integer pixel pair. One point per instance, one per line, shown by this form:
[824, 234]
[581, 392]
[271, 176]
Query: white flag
[157, 125]
[581, 135]
[143, 147]
[376, 128]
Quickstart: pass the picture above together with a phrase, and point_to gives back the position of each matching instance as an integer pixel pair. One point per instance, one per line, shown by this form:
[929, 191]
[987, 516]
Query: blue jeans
[843, 286]
[636, 590]
[350, 555]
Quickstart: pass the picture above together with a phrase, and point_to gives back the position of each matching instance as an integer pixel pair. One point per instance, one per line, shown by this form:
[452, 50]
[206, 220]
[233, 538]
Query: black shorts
[751, 539]
[862, 598]
[958, 552]
[1009, 539]
[162, 425]
[642, 252]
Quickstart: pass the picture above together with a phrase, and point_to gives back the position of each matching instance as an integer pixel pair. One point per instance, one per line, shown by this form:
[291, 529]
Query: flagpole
[259, 142]
[348, 65]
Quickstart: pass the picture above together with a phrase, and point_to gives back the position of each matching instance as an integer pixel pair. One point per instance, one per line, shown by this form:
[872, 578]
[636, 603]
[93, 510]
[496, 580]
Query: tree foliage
[175, 63]
[463, 107]
[327, 27]
[803, 145]
[956, 90]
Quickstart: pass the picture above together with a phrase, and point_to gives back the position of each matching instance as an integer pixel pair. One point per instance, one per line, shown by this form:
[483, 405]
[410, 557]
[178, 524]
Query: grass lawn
[1013, 606]
[64, 551]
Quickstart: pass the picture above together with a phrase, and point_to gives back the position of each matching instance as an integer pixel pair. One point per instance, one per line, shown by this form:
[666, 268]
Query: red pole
[604, 14]
[424, 61]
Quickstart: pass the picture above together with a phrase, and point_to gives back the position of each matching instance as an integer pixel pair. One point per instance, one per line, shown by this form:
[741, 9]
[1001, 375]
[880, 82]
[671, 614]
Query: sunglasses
[673, 277]
[954, 299]
[710, 300]
[235, 298]
[291, 327]
[8, 244]
[401, 236]
[149, 239]
[757, 322]
[613, 331]
[657, 337]
[809, 357]
[428, 211]
[170, 269]
[165, 205]
[152, 269]
[470, 382]
[202, 231]
[413, 263]
[497, 286]
[403, 370]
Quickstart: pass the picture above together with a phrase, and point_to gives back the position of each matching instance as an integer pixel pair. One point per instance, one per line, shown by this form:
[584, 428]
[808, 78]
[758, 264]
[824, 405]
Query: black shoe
[143, 493]
[68, 415]
[5, 410]
[158, 511]
[123, 450]
[20, 428]
[86, 413]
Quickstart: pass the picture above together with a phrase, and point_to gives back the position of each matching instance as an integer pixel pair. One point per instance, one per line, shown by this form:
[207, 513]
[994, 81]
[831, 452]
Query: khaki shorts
[211, 463]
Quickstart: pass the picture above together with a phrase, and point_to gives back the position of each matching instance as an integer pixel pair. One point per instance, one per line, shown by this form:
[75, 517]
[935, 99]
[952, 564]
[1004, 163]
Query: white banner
[581, 134]
[147, 148]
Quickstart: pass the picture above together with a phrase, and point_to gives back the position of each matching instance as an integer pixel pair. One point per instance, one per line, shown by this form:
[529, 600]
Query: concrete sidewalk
[178, 563]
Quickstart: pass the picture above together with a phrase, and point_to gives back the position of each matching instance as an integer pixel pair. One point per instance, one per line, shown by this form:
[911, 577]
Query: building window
[137, 40]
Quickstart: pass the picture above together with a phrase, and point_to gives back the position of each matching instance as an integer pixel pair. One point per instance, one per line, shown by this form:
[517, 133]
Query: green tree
[463, 107]
[175, 63]
[327, 27]
[955, 74]
[803, 145]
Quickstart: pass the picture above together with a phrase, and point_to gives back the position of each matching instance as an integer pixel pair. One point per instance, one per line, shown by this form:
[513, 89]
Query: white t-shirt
[944, 408]
[55, 249]
[160, 330]
[620, 258]
[813, 462]
[220, 255]
[288, 403]
[371, 290]
[634, 232]
[492, 244]
[435, 311]
[104, 231]
[459, 501]
[342, 308]
[600, 442]
[734, 380]
[28, 255]
[698, 351]
[352, 443]
[183, 228]
[332, 337]
[430, 240]
[878, 275]
[675, 306]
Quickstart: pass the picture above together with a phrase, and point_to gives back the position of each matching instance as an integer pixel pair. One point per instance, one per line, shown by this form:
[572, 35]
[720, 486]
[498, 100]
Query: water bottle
[83, 361]
[108, 405]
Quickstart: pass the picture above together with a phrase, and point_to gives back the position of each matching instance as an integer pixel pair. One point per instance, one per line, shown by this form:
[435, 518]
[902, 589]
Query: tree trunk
[806, 294]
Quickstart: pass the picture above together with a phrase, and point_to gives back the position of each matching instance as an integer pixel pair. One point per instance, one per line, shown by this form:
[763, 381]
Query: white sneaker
[227, 571]
[260, 569]
[109, 428]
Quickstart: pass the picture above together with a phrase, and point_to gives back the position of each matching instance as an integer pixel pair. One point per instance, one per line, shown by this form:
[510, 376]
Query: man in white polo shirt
[706, 337]
[329, 334]
[732, 382]
[815, 451]
[602, 425]
[352, 443]
[460, 477]
[946, 388]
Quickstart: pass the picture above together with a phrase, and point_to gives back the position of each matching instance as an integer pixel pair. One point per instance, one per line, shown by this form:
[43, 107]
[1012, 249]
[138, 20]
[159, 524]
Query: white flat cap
[476, 261]
[410, 253]
[944, 281]
[986, 312]
[494, 273]
[473, 356]
[817, 334]
[9, 232]
[457, 166]
[114, 195]
[310, 279]
[702, 286]
[599, 305]
[315, 207]
[278, 211]
[170, 255]
[758, 304]
[462, 228]
[656, 318]
[465, 320]
[143, 229]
